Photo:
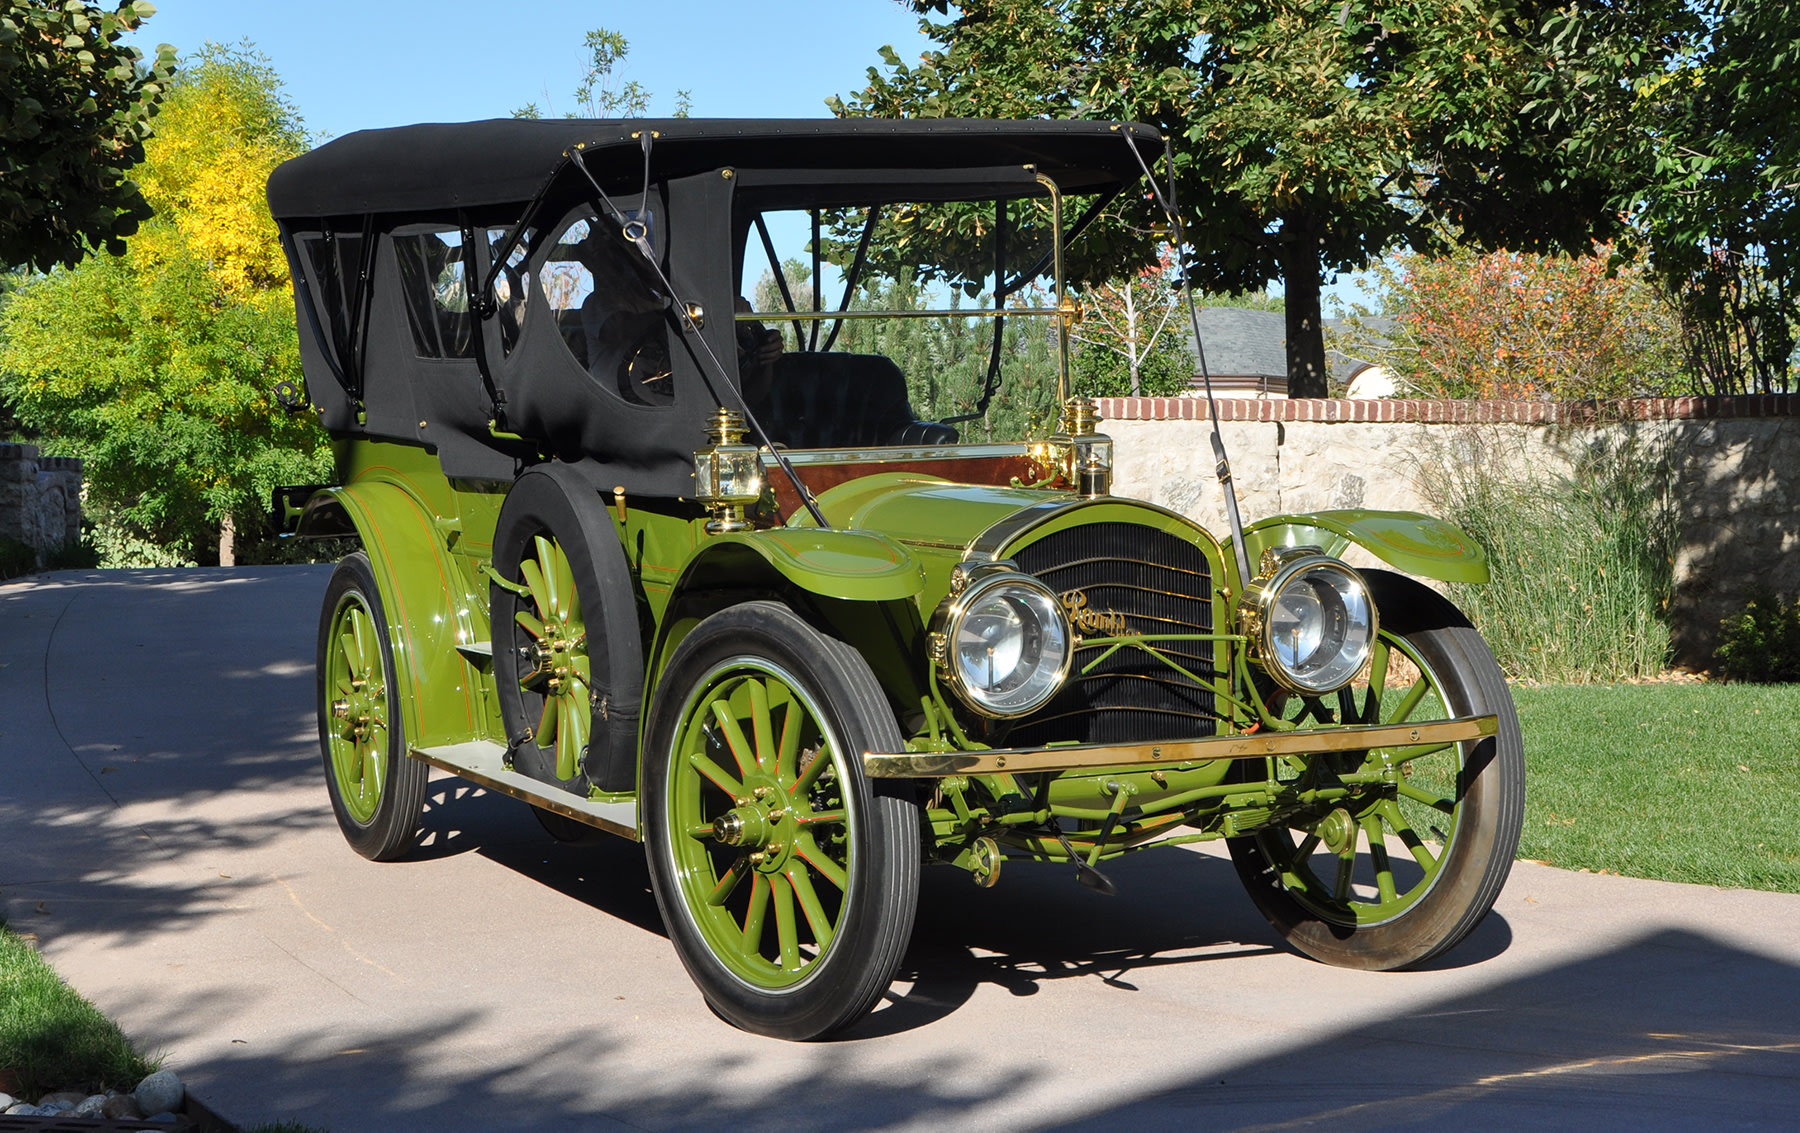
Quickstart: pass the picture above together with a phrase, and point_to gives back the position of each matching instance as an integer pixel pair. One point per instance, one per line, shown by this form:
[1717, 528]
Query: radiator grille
[1157, 583]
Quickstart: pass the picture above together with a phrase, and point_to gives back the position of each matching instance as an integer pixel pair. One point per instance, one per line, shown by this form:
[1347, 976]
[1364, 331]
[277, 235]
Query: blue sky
[350, 65]
[356, 65]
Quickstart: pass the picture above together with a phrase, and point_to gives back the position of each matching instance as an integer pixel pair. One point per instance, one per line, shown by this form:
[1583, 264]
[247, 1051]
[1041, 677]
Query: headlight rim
[972, 583]
[1280, 567]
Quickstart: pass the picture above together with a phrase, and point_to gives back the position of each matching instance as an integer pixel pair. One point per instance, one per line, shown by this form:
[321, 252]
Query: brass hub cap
[762, 824]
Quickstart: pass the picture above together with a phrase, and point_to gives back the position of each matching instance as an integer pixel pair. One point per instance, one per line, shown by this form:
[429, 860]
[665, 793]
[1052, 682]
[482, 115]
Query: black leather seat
[843, 401]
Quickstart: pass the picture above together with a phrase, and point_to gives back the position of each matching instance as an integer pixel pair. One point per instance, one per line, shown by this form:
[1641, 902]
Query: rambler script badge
[1107, 623]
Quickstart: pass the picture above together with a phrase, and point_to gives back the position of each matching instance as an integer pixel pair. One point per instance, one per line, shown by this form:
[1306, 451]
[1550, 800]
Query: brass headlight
[1002, 640]
[1310, 620]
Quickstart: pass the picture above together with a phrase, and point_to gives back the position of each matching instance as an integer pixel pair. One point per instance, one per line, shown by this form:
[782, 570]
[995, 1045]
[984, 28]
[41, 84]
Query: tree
[156, 365]
[1314, 136]
[75, 108]
[1129, 335]
[1722, 216]
[604, 92]
[1510, 325]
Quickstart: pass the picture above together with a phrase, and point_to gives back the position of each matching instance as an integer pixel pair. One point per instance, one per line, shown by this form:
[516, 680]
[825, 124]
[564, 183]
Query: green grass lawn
[50, 1036]
[1684, 782]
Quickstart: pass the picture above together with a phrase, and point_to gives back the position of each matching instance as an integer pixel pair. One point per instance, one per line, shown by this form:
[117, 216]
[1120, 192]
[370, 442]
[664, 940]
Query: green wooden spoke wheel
[788, 882]
[377, 790]
[1405, 849]
[554, 674]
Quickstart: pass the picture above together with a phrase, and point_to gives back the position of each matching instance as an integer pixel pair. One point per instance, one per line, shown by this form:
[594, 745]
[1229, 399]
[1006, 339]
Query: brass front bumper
[1257, 745]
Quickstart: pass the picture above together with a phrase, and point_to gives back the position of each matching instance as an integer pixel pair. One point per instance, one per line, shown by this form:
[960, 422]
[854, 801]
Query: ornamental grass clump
[1582, 559]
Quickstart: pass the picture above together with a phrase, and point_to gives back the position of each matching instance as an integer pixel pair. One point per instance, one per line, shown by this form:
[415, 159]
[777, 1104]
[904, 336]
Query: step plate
[479, 761]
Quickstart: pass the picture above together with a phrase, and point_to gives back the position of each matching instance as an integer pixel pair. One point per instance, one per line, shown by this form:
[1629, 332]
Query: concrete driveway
[164, 830]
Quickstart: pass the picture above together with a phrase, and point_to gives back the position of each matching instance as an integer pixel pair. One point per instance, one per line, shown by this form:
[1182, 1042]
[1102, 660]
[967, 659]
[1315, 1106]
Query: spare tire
[568, 652]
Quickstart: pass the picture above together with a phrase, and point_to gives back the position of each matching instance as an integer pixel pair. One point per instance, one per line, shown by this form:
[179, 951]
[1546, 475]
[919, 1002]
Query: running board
[481, 761]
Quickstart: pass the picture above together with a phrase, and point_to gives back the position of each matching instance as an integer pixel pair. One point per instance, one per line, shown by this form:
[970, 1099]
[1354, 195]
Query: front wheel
[1410, 854]
[787, 880]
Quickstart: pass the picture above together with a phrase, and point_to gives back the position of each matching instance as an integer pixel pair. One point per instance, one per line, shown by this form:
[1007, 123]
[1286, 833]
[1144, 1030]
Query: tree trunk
[227, 542]
[1305, 332]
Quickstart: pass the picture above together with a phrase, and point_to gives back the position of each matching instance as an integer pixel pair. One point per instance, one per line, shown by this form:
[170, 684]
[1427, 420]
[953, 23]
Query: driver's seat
[819, 400]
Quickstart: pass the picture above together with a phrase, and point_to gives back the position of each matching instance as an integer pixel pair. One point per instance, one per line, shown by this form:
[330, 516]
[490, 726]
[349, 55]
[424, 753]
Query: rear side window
[437, 297]
[512, 285]
[336, 262]
[609, 308]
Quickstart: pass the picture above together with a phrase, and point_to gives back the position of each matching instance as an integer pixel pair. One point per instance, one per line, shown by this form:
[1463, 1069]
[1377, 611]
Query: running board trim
[483, 762]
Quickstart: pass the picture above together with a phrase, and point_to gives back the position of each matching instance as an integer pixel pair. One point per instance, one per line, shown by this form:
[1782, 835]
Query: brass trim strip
[832, 316]
[898, 454]
[937, 764]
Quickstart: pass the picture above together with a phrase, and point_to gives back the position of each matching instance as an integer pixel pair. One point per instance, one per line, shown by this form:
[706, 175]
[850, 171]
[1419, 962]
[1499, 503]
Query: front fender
[430, 608]
[858, 566]
[1414, 543]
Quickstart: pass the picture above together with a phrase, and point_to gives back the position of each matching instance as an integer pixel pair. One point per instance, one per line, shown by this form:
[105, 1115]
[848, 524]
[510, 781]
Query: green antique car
[663, 572]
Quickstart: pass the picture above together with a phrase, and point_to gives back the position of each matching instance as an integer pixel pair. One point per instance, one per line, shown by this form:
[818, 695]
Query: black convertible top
[472, 164]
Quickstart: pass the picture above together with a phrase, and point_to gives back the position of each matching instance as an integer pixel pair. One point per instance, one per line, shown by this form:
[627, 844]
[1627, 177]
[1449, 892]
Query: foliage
[1615, 772]
[1316, 135]
[1761, 643]
[604, 92]
[156, 366]
[1583, 562]
[1512, 325]
[75, 108]
[16, 558]
[53, 1036]
[1130, 336]
[1722, 215]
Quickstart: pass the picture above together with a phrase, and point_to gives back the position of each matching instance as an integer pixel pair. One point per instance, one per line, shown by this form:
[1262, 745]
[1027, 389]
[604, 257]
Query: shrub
[16, 558]
[1761, 644]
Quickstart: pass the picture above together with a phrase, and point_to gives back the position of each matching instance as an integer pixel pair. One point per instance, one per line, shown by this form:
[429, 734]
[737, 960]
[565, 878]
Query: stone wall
[1737, 466]
[40, 497]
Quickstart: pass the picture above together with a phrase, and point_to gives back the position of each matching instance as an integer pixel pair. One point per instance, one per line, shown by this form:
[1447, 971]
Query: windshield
[869, 325]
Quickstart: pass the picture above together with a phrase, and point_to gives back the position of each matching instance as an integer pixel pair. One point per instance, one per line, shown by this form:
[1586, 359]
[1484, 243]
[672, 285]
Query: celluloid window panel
[335, 262]
[512, 286]
[609, 310]
[437, 299]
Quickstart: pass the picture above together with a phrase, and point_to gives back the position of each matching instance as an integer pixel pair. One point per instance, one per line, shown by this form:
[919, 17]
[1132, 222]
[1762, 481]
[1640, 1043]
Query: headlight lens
[1310, 621]
[1005, 644]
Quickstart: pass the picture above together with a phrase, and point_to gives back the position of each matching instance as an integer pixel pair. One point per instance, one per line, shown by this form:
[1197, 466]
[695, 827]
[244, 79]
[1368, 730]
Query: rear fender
[431, 607]
[1406, 540]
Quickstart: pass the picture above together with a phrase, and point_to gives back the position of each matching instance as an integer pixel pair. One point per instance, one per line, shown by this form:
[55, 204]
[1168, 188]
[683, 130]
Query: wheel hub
[762, 824]
[1337, 830]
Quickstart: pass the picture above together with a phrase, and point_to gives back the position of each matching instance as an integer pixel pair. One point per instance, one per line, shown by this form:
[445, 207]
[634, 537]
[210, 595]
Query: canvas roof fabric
[473, 164]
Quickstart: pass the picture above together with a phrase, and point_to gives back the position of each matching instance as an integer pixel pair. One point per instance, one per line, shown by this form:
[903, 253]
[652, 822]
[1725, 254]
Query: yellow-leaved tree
[157, 366]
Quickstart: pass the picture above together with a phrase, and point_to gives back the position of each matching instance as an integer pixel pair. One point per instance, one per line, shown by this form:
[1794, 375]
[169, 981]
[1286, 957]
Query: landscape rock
[63, 1099]
[121, 1107]
[90, 1106]
[26, 1109]
[161, 1092]
[6, 1100]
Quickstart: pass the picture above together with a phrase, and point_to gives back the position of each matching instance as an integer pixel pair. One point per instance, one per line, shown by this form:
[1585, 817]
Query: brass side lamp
[728, 473]
[1084, 454]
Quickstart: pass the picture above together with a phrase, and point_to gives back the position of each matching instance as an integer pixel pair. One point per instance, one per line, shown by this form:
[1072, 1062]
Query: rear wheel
[377, 790]
[1412, 854]
[787, 880]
